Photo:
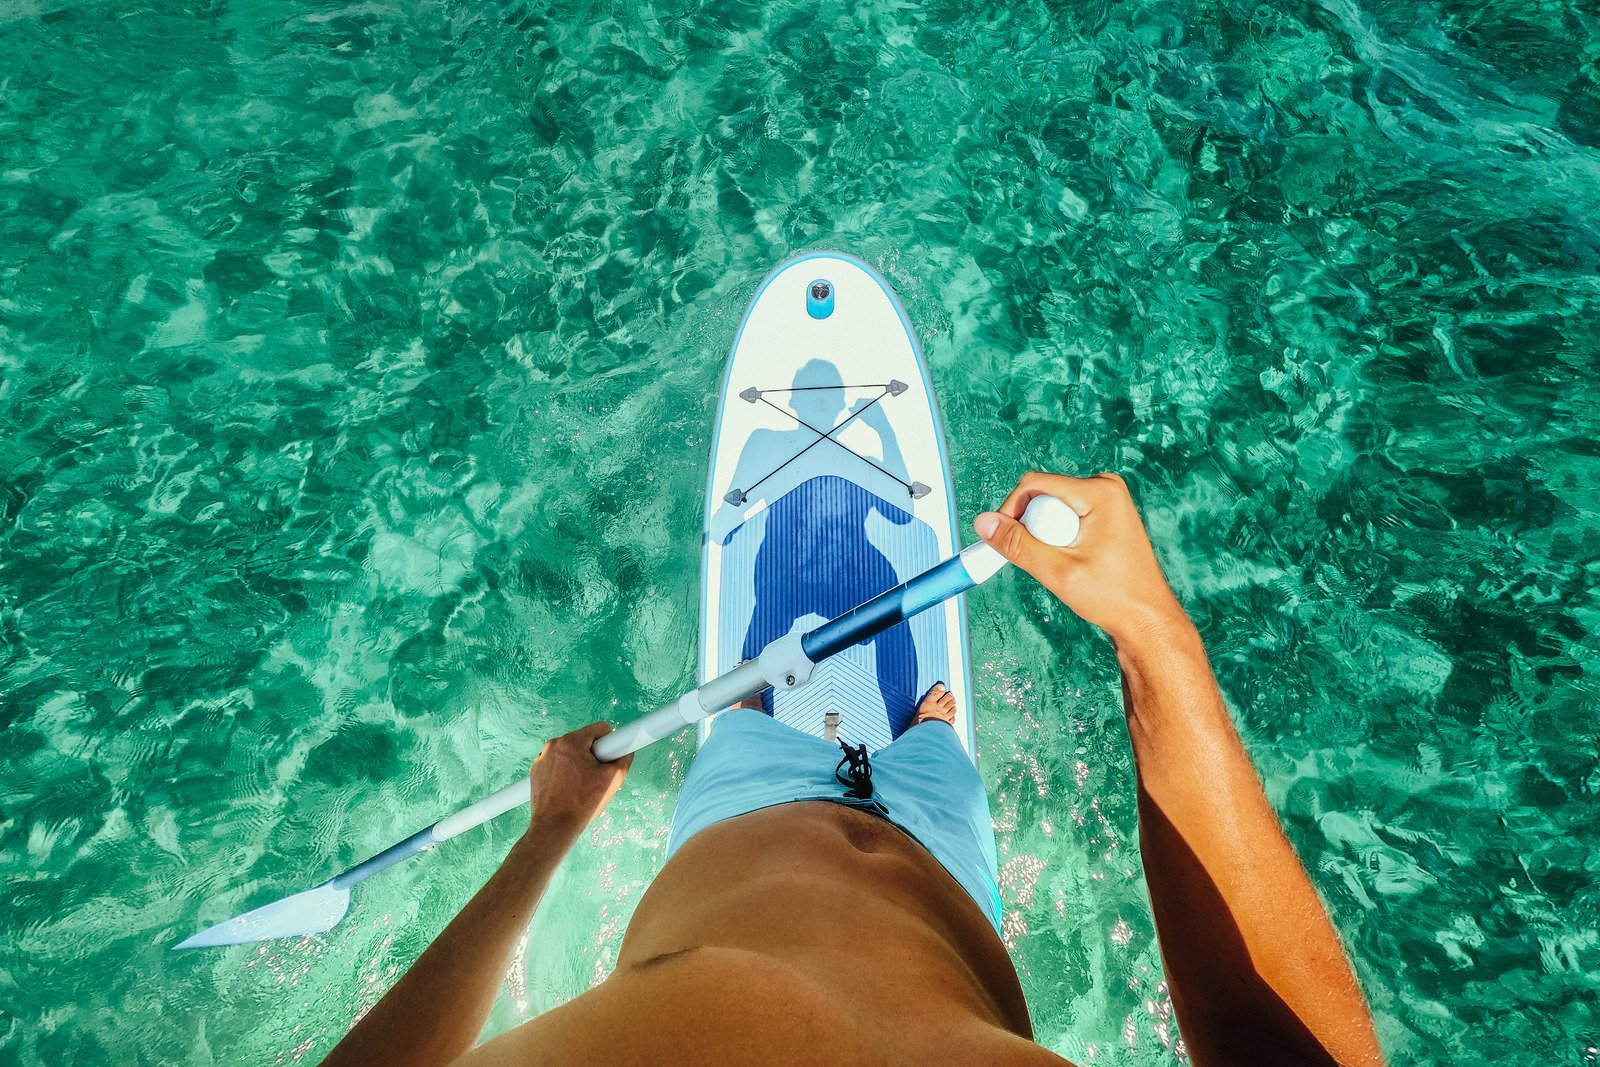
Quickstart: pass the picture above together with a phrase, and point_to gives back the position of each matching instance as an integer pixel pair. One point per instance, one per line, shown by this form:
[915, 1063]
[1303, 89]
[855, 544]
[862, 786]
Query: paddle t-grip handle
[1047, 518]
[1051, 520]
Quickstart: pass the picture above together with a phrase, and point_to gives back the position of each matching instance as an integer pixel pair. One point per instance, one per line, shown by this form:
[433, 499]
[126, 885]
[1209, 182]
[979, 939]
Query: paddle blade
[311, 912]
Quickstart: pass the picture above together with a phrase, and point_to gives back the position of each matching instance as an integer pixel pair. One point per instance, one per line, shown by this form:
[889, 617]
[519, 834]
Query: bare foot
[939, 703]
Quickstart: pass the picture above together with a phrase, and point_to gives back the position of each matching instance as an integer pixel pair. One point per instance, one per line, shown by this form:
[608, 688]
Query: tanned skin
[814, 933]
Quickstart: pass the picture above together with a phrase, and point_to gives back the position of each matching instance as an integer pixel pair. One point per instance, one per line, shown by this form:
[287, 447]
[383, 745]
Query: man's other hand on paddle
[1108, 576]
[570, 786]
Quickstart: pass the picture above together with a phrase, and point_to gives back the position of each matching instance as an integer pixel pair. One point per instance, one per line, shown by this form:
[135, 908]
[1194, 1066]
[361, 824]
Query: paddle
[784, 664]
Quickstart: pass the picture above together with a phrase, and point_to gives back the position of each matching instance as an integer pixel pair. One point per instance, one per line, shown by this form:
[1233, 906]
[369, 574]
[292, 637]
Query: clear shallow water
[354, 378]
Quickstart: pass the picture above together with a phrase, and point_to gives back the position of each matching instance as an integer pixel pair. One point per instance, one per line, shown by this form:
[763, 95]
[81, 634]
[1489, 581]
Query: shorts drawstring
[859, 775]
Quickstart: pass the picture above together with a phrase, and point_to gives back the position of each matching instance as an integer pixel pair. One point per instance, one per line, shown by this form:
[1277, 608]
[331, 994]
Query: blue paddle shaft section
[888, 609]
[420, 841]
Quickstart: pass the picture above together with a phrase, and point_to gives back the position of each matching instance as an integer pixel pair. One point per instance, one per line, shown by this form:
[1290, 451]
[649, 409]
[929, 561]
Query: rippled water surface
[355, 378]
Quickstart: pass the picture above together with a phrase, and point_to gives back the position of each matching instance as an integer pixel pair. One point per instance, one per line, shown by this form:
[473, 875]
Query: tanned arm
[1255, 966]
[435, 1013]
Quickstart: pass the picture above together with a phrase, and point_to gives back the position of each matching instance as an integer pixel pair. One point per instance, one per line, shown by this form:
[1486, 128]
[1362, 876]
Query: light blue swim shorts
[923, 782]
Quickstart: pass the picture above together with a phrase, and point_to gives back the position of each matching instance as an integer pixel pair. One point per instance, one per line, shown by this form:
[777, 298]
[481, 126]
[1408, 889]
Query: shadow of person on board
[816, 556]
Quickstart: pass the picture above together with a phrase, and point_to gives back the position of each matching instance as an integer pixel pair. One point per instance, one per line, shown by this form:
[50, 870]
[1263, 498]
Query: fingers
[588, 735]
[1004, 532]
[1012, 540]
[1082, 495]
[582, 740]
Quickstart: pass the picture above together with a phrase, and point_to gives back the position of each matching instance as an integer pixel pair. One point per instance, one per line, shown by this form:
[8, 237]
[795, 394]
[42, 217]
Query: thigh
[933, 792]
[750, 761]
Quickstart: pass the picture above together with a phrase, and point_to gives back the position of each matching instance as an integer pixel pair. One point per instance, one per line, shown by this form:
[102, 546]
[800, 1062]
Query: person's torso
[807, 932]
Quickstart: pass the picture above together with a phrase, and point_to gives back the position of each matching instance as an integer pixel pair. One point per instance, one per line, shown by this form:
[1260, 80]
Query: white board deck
[830, 483]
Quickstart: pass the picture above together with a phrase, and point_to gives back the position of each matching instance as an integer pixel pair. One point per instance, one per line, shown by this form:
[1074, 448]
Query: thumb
[1012, 540]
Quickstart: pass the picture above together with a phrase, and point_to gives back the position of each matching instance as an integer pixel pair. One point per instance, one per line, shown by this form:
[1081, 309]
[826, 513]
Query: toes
[938, 703]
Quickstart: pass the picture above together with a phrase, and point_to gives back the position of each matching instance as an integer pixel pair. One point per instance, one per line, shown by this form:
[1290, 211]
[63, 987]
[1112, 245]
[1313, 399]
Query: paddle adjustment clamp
[784, 662]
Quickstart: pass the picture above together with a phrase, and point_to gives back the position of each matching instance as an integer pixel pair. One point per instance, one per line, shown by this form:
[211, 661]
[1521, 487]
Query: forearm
[1254, 961]
[436, 1011]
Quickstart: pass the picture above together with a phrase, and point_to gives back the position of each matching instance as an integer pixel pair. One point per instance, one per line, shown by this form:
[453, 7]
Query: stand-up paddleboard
[830, 484]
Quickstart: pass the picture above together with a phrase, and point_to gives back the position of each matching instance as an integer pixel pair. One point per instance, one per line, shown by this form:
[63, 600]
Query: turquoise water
[355, 375]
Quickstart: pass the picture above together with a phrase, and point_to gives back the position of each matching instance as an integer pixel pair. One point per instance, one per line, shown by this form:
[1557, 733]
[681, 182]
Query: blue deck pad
[815, 553]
